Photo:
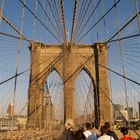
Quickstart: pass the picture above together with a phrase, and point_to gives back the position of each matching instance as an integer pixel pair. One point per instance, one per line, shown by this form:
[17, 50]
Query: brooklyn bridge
[68, 61]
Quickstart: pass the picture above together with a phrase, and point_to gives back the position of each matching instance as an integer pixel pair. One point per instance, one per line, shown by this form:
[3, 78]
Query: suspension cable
[74, 19]
[89, 18]
[82, 19]
[12, 26]
[40, 21]
[137, 12]
[48, 18]
[127, 23]
[98, 21]
[118, 110]
[54, 16]
[18, 56]
[78, 18]
[13, 77]
[1, 9]
[57, 12]
[9, 35]
[122, 60]
[63, 19]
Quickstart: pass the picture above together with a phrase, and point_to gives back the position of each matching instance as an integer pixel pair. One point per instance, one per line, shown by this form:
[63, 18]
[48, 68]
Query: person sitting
[109, 132]
[88, 134]
[124, 131]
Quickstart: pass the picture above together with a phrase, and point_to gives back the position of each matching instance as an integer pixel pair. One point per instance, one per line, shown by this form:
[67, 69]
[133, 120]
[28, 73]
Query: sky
[9, 47]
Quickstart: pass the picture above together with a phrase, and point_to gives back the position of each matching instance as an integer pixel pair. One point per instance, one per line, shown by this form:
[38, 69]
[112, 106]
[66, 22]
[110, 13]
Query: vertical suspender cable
[34, 25]
[74, 20]
[122, 60]
[97, 34]
[137, 12]
[84, 14]
[55, 19]
[63, 20]
[1, 9]
[18, 58]
[34, 29]
[57, 13]
[78, 19]
[43, 13]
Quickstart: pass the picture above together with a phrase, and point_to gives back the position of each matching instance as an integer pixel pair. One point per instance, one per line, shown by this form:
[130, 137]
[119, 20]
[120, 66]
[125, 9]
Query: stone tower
[68, 60]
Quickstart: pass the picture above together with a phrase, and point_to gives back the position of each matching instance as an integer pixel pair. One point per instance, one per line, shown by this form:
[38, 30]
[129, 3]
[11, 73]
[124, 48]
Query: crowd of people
[88, 133]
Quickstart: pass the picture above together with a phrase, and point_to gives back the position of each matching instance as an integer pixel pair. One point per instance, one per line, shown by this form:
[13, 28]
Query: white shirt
[87, 133]
[105, 137]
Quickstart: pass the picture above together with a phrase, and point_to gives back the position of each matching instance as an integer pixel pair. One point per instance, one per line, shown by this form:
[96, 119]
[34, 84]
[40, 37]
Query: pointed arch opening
[84, 98]
[53, 106]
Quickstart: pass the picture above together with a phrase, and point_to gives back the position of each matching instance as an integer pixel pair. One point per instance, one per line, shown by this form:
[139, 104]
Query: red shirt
[127, 138]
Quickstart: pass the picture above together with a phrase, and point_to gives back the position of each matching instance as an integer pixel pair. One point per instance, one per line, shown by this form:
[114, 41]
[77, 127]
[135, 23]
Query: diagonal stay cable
[40, 21]
[12, 26]
[48, 17]
[114, 5]
[129, 79]
[89, 17]
[123, 27]
[63, 19]
[55, 19]
[123, 38]
[58, 12]
[14, 76]
[110, 100]
[10, 35]
[74, 19]
[79, 17]
[4, 81]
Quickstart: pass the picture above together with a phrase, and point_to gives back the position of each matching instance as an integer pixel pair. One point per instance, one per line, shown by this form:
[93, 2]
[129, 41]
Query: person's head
[81, 128]
[124, 130]
[103, 130]
[107, 125]
[88, 126]
[69, 124]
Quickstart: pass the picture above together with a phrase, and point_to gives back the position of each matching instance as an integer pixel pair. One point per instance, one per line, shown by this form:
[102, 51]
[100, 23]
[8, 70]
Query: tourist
[104, 136]
[70, 134]
[124, 131]
[80, 135]
[88, 133]
[109, 132]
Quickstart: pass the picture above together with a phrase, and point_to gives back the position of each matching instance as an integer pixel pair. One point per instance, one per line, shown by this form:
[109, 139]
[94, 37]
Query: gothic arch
[80, 57]
[52, 69]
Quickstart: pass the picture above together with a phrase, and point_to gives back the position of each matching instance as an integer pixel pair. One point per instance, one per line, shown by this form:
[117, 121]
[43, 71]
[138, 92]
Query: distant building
[7, 124]
[13, 123]
[48, 111]
[120, 110]
[131, 112]
[22, 120]
[10, 110]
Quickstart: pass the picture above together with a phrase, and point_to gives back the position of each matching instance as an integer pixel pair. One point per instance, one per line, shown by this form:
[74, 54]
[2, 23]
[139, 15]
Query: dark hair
[124, 130]
[88, 125]
[107, 125]
[103, 130]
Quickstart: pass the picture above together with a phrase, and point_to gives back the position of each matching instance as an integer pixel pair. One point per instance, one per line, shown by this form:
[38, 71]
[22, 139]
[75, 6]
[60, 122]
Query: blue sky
[8, 48]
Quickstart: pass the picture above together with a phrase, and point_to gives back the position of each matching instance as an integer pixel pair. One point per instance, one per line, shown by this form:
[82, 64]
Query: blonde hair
[69, 123]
